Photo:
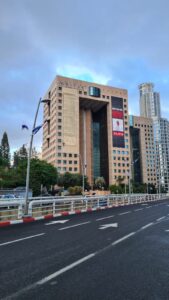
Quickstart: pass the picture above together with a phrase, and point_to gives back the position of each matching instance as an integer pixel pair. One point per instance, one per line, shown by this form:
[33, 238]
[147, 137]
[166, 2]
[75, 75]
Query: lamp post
[83, 175]
[29, 154]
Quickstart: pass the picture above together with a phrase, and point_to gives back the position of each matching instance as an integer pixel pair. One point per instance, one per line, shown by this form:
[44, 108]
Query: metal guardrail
[42, 206]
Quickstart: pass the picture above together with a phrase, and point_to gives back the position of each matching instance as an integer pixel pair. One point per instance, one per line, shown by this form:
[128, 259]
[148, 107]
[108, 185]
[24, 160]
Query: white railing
[42, 206]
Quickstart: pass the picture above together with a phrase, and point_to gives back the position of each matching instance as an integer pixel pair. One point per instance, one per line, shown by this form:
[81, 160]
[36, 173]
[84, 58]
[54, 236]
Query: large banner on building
[117, 123]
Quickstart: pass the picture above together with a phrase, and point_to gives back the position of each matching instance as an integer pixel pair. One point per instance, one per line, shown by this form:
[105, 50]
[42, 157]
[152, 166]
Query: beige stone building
[142, 150]
[87, 130]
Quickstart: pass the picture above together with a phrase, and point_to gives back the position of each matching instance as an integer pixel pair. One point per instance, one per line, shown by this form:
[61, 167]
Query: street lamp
[83, 167]
[30, 152]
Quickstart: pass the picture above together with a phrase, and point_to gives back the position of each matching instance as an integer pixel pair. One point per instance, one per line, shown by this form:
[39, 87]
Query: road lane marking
[80, 224]
[123, 238]
[148, 225]
[100, 219]
[112, 225]
[127, 212]
[138, 209]
[167, 230]
[148, 206]
[56, 222]
[22, 239]
[65, 269]
[159, 219]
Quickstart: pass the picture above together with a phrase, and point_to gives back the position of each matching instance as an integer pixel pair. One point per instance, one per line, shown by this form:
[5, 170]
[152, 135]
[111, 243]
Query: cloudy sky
[121, 43]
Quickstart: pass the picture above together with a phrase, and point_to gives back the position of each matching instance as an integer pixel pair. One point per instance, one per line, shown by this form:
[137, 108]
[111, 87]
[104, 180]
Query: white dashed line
[123, 238]
[138, 209]
[104, 218]
[148, 206]
[19, 240]
[159, 219]
[67, 268]
[127, 212]
[80, 224]
[146, 226]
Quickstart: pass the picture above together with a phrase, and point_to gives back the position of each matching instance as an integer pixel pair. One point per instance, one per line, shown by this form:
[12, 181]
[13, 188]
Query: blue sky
[121, 43]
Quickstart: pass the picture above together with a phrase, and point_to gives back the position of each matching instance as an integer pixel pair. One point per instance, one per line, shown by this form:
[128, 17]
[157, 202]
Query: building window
[70, 162]
[70, 154]
[75, 169]
[75, 155]
[70, 169]
[64, 154]
[59, 161]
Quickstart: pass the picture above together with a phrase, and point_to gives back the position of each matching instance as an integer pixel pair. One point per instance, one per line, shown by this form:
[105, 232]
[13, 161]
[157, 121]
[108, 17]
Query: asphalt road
[119, 253]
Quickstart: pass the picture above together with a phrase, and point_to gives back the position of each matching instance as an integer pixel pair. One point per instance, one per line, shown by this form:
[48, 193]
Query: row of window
[65, 162]
[67, 155]
[121, 171]
[120, 165]
[64, 169]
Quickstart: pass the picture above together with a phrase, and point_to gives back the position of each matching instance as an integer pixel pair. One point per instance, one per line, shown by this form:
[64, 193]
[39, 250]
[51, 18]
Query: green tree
[20, 155]
[5, 150]
[70, 180]
[100, 182]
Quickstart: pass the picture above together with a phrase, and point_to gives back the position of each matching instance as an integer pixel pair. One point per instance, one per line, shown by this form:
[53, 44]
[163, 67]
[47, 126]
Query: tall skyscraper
[150, 107]
[149, 101]
[87, 127]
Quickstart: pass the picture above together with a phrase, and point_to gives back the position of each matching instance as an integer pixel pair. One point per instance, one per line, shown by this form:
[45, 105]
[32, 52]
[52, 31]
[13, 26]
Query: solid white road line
[146, 226]
[22, 239]
[148, 206]
[100, 219]
[65, 269]
[159, 219]
[67, 227]
[123, 238]
[138, 209]
[127, 212]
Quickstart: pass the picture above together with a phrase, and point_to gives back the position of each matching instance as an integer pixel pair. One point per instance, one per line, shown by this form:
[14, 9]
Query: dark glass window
[94, 91]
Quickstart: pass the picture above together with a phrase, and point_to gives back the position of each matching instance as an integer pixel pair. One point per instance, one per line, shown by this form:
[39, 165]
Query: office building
[149, 101]
[161, 137]
[143, 161]
[87, 130]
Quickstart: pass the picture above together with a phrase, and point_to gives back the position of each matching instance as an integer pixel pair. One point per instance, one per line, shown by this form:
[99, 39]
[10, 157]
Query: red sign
[117, 114]
[117, 133]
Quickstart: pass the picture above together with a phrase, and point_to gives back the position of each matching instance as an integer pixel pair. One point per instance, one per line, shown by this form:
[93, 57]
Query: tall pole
[29, 158]
[82, 167]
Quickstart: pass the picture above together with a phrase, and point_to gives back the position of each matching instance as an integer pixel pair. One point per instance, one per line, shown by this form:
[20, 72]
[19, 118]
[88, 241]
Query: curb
[49, 217]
